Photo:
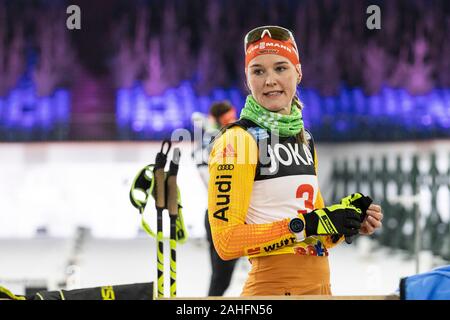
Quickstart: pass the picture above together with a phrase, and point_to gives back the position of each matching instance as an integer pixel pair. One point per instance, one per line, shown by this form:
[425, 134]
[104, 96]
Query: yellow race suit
[258, 182]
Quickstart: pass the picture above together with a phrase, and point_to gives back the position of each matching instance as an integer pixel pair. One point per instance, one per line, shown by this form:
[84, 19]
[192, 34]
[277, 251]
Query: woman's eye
[280, 68]
[258, 71]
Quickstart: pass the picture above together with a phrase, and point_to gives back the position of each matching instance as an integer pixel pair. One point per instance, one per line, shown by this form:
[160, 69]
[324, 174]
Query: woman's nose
[270, 80]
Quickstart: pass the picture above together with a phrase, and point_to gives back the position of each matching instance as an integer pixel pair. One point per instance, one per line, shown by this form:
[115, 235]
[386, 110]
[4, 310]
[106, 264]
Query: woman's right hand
[335, 219]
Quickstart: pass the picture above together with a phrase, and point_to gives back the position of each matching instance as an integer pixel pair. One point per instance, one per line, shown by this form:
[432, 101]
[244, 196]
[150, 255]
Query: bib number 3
[305, 192]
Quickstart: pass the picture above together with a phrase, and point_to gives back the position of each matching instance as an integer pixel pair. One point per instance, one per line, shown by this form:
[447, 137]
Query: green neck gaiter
[280, 124]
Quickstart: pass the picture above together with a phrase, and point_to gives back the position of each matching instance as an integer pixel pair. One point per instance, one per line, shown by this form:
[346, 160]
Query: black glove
[333, 220]
[359, 201]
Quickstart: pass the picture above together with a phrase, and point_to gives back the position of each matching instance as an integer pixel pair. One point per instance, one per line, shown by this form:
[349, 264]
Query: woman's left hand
[372, 221]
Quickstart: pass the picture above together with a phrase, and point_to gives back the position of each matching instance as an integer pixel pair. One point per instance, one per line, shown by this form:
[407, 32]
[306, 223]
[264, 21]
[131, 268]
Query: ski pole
[172, 206]
[160, 203]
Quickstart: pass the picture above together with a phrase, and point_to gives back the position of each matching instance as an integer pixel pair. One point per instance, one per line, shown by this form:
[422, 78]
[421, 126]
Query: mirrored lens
[277, 33]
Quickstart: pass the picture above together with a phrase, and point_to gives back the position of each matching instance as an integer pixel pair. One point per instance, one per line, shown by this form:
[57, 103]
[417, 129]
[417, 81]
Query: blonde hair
[301, 136]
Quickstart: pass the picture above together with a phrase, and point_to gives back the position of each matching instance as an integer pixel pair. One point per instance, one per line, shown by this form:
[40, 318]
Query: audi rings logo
[222, 167]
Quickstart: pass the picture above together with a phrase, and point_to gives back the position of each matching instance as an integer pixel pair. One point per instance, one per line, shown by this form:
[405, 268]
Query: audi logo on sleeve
[225, 167]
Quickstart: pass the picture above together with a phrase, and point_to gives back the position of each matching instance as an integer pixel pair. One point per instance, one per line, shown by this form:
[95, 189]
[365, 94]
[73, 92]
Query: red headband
[267, 45]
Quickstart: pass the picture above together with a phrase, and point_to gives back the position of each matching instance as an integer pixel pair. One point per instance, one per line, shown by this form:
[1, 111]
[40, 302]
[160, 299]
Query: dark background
[113, 78]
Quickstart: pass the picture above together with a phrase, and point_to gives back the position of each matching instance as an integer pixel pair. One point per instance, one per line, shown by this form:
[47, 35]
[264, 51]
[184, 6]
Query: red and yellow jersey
[256, 186]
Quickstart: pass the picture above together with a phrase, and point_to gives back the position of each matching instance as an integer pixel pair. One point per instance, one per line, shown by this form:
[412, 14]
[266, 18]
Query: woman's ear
[299, 71]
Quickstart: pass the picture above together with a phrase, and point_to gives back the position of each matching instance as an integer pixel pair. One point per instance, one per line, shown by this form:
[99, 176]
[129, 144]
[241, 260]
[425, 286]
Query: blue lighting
[393, 114]
[24, 116]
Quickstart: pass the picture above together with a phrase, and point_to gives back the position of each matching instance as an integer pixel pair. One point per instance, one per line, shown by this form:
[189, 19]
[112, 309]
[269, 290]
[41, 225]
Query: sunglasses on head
[274, 32]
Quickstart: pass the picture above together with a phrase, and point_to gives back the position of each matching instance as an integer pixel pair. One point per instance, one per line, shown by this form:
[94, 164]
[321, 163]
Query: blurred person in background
[220, 115]
[273, 211]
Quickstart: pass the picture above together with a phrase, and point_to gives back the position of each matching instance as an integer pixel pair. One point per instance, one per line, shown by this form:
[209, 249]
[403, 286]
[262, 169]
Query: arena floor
[358, 269]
